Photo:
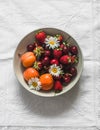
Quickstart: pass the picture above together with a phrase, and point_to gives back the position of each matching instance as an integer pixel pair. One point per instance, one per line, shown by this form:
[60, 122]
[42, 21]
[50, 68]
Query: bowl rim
[62, 92]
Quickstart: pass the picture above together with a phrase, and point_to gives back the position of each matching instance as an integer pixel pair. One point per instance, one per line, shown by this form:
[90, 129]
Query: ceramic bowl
[21, 48]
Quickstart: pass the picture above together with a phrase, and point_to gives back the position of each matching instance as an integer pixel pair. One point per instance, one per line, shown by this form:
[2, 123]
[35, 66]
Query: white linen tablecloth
[77, 109]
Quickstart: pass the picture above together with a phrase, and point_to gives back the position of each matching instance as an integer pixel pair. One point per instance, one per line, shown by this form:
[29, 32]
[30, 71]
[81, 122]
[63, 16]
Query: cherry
[66, 67]
[54, 61]
[62, 46]
[67, 78]
[47, 53]
[74, 50]
[46, 61]
[57, 77]
[73, 71]
[40, 65]
[65, 50]
[30, 47]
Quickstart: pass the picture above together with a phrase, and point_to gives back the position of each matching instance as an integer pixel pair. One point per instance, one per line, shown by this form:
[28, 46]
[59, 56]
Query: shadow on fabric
[49, 107]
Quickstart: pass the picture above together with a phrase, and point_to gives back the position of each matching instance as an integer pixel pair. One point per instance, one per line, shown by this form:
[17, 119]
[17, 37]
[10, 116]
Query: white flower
[55, 70]
[34, 83]
[52, 42]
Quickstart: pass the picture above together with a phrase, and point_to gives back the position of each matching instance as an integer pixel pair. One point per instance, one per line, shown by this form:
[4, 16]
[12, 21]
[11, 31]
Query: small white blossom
[55, 70]
[34, 83]
[52, 42]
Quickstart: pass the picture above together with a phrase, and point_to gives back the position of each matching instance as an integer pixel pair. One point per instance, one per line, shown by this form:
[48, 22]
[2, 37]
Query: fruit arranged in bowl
[50, 60]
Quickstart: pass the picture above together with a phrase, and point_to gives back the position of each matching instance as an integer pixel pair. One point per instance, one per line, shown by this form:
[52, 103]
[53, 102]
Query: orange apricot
[28, 59]
[30, 73]
[46, 81]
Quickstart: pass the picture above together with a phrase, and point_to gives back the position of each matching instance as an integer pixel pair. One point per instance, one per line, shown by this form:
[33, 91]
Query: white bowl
[21, 48]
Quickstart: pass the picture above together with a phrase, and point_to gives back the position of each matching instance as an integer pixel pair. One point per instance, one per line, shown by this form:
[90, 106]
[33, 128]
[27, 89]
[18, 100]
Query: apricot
[30, 73]
[28, 59]
[46, 81]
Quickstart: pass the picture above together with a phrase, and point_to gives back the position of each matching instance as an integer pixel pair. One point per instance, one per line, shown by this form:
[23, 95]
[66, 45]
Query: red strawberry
[40, 36]
[59, 37]
[57, 53]
[54, 61]
[66, 59]
[58, 86]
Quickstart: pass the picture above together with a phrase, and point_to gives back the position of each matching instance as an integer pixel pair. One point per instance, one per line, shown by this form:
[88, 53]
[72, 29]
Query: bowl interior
[21, 48]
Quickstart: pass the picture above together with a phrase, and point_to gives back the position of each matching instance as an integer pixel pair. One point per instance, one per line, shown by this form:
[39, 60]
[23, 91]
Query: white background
[77, 109]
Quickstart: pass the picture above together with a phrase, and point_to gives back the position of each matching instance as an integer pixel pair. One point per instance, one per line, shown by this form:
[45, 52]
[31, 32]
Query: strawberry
[40, 36]
[58, 86]
[65, 59]
[57, 53]
[59, 37]
[54, 61]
